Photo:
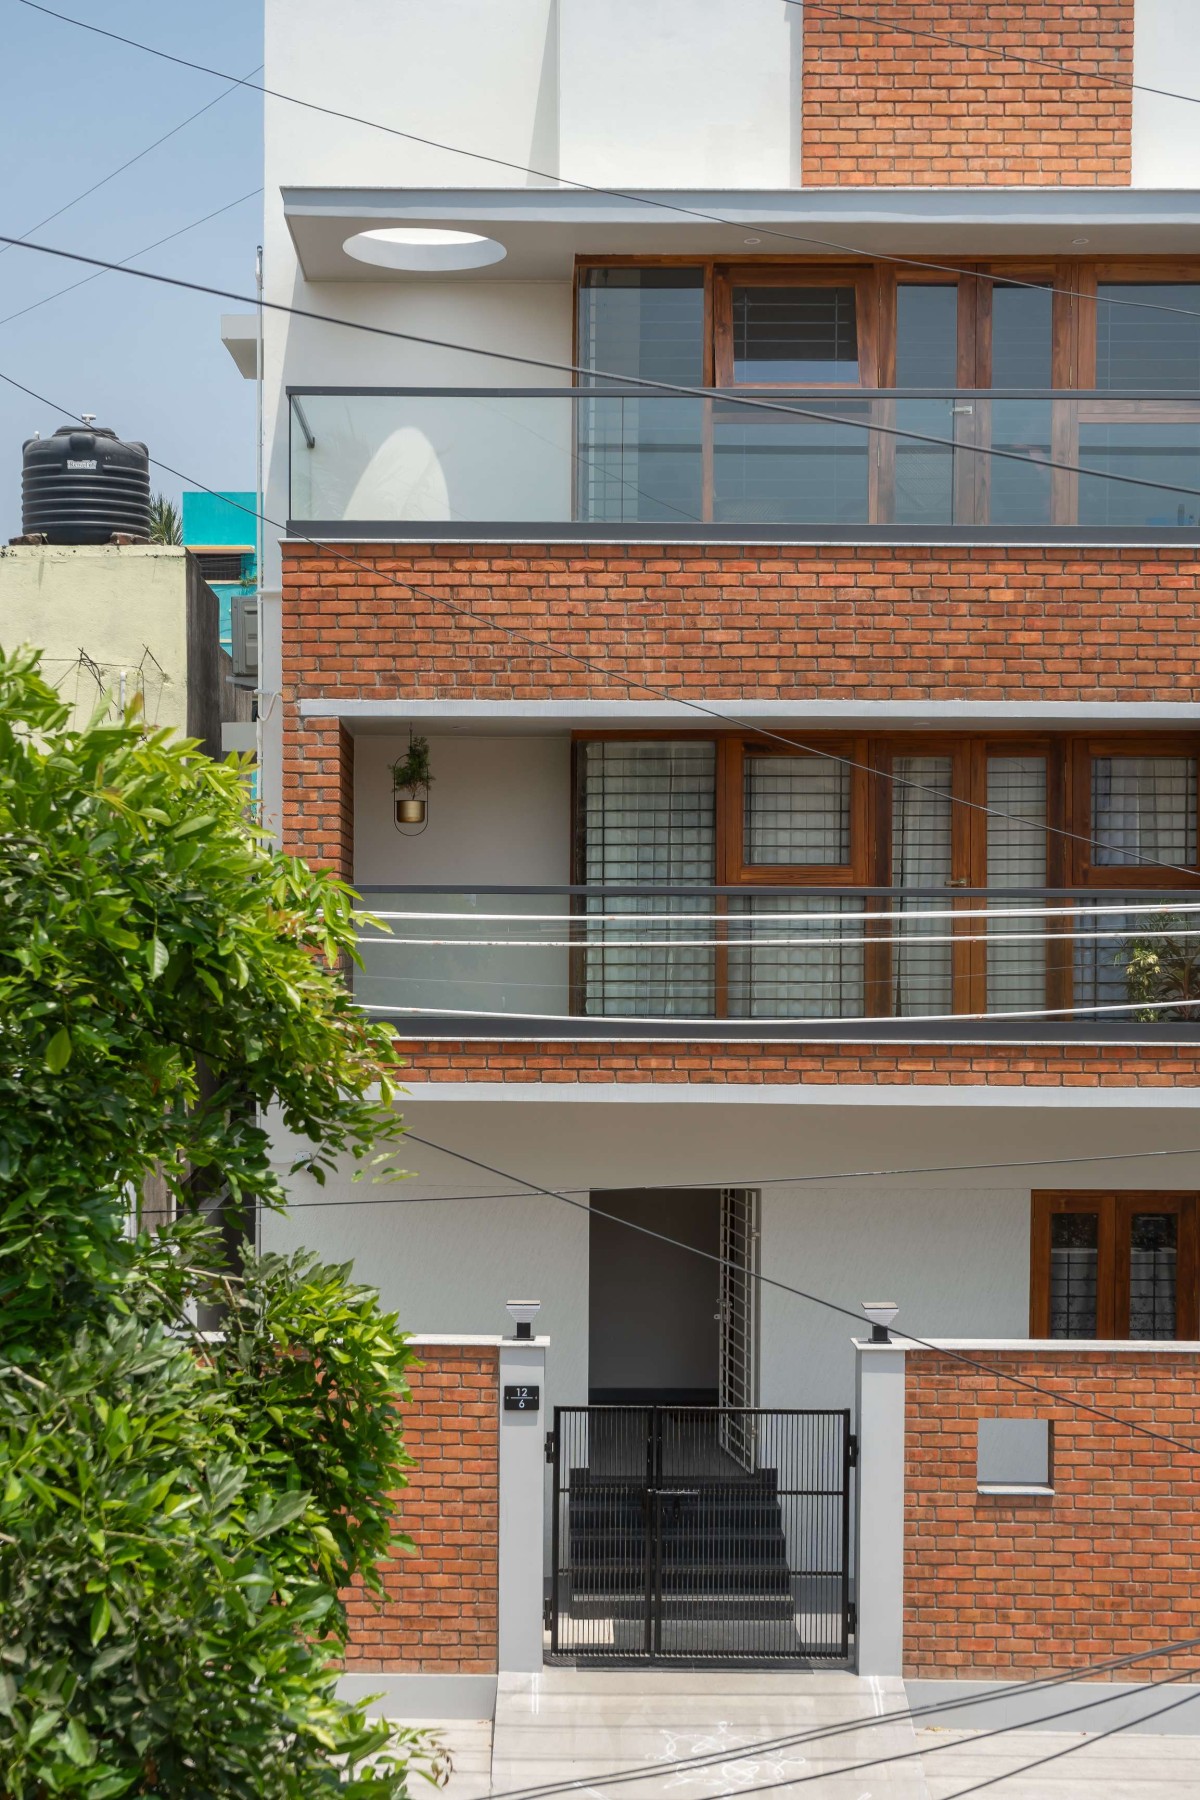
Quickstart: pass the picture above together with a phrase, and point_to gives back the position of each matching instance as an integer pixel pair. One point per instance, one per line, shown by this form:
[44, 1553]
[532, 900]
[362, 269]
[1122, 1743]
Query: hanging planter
[411, 779]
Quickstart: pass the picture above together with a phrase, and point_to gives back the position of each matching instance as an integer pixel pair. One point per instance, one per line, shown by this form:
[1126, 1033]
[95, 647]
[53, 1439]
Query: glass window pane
[1139, 348]
[1153, 1255]
[647, 322]
[926, 335]
[647, 817]
[1022, 336]
[921, 857]
[795, 334]
[1074, 1257]
[797, 810]
[1143, 810]
[802, 959]
[1016, 858]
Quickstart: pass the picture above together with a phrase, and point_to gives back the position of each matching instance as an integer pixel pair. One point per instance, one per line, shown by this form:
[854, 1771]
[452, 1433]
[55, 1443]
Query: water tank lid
[88, 430]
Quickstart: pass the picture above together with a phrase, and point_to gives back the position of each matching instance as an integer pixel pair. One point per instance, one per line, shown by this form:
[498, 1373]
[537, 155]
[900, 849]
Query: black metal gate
[694, 1533]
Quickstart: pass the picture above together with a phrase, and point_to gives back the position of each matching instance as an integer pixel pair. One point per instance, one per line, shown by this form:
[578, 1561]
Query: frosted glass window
[1143, 810]
[922, 823]
[1016, 858]
[1074, 1264]
[797, 811]
[646, 815]
[1153, 1255]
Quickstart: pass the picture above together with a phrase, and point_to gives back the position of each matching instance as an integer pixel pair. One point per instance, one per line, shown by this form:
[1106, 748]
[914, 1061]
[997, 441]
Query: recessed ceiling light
[1080, 240]
[752, 240]
[423, 250]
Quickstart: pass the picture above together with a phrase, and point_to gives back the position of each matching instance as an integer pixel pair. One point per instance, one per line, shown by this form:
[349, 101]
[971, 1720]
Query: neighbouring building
[219, 530]
[125, 620]
[812, 780]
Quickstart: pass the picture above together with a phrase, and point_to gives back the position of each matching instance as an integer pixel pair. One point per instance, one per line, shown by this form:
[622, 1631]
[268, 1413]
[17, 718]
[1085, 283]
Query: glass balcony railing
[976, 464]
[524, 961]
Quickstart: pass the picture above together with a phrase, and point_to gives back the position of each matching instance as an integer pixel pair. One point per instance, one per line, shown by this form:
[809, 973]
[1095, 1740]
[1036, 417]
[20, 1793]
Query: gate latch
[852, 1450]
[550, 1446]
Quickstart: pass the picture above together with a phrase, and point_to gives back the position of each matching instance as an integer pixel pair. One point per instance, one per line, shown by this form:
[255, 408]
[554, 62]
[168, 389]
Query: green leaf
[101, 1618]
[58, 1051]
[78, 1744]
[157, 956]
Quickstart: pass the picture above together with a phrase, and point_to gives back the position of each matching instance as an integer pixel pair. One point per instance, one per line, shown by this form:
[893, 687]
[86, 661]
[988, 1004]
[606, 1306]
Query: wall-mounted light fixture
[881, 1313]
[523, 1313]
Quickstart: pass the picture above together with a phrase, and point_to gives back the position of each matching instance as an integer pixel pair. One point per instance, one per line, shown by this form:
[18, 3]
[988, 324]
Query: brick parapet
[727, 623]
[1063, 1066]
[1000, 1585]
[883, 105]
[440, 1609]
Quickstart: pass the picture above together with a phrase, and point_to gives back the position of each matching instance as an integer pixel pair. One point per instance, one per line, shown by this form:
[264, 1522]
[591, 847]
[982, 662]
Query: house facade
[768, 479]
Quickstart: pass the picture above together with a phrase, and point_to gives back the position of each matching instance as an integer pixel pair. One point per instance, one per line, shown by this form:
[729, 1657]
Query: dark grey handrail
[832, 396]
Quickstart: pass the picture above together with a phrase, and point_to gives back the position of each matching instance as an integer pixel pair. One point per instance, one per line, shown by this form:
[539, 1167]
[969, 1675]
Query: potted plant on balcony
[411, 779]
[1162, 967]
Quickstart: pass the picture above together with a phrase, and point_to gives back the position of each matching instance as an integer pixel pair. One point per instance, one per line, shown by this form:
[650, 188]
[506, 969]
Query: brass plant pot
[410, 812]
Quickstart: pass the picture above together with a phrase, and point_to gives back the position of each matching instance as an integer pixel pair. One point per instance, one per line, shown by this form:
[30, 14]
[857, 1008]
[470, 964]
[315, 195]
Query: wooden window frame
[858, 276]
[1115, 1210]
[802, 875]
[1068, 786]
[1134, 875]
[1073, 354]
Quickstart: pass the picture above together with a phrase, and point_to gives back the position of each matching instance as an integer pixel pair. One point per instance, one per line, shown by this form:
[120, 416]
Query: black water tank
[83, 484]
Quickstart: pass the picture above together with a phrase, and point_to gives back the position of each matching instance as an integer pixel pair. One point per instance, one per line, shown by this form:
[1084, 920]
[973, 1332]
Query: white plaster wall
[1166, 133]
[680, 93]
[951, 1249]
[499, 812]
[477, 73]
[956, 1261]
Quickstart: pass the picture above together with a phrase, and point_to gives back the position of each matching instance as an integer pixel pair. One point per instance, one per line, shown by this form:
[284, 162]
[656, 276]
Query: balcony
[855, 466]
[834, 963]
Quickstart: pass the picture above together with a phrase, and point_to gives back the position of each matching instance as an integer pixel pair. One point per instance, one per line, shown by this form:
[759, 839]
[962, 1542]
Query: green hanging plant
[411, 774]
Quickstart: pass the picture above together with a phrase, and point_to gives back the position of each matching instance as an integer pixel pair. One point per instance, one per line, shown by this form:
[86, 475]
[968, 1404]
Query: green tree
[178, 1512]
[166, 527]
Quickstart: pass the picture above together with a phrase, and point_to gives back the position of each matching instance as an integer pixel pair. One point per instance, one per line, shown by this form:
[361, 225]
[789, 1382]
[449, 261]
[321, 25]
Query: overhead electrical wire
[132, 257]
[911, 940]
[242, 82]
[824, 1178]
[677, 389]
[986, 50]
[817, 1026]
[639, 199]
[550, 651]
[740, 1753]
[1075, 900]
[235, 82]
[771, 1281]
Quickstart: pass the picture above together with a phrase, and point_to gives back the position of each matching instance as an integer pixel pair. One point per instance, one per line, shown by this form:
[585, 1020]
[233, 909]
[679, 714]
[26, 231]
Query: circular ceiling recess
[425, 251]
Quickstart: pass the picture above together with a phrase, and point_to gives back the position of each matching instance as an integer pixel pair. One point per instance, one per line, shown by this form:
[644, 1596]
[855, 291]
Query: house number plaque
[522, 1399]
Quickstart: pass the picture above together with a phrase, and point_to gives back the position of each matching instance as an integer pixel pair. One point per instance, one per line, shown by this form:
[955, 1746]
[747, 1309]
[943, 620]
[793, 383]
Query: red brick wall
[440, 1612]
[318, 792]
[772, 622]
[733, 1064]
[882, 105]
[1103, 1567]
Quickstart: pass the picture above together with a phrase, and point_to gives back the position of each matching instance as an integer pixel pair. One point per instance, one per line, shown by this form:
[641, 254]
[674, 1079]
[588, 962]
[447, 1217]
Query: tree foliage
[1162, 968]
[178, 1511]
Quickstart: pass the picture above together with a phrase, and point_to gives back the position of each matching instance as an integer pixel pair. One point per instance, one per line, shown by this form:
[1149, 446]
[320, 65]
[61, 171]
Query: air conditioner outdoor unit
[245, 634]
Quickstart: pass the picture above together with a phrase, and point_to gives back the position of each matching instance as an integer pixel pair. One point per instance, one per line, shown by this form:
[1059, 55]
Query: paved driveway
[821, 1735]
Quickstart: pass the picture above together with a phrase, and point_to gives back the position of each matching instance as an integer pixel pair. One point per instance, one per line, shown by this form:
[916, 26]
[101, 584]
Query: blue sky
[146, 360]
